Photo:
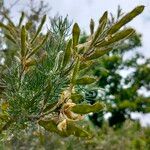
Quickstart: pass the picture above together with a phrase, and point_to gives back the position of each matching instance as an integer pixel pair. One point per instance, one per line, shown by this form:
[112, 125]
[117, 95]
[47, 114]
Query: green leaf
[85, 80]
[38, 47]
[85, 64]
[67, 54]
[39, 29]
[127, 104]
[48, 89]
[127, 18]
[75, 97]
[21, 18]
[5, 15]
[75, 35]
[72, 128]
[9, 37]
[23, 40]
[104, 17]
[92, 26]
[75, 71]
[97, 53]
[50, 125]
[58, 61]
[87, 108]
[101, 27]
[28, 25]
[115, 38]
[4, 26]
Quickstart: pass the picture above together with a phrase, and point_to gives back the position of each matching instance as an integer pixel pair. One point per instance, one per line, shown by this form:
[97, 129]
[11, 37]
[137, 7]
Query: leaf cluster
[46, 72]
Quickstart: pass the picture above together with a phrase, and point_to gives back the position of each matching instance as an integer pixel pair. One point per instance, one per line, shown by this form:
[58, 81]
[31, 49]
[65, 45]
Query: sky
[82, 11]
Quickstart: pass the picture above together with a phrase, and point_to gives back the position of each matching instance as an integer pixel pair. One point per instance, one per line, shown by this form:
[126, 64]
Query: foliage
[120, 92]
[46, 70]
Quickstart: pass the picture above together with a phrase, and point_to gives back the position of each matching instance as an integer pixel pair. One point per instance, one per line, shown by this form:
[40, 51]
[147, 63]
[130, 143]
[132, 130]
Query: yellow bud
[62, 125]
